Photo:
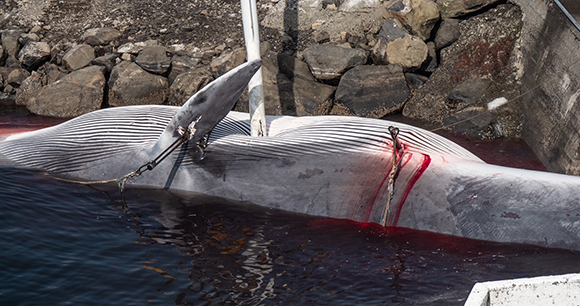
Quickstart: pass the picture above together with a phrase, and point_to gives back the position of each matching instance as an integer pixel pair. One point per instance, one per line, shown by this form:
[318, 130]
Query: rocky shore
[442, 61]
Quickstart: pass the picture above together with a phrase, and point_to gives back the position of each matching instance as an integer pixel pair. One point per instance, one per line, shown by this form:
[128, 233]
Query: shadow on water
[73, 244]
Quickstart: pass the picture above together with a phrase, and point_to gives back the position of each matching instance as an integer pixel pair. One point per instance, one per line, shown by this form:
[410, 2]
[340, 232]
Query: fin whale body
[320, 165]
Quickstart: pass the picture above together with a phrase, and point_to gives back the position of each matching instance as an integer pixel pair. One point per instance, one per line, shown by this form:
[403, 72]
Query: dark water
[67, 244]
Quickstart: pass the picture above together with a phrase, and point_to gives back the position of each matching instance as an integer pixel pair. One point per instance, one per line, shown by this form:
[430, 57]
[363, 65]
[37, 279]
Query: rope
[185, 134]
[398, 152]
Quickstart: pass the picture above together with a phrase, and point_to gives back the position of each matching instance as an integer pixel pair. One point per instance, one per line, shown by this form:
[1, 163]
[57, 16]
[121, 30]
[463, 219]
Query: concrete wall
[550, 45]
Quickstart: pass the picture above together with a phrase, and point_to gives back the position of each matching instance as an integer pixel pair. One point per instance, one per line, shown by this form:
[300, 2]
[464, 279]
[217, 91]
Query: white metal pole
[255, 87]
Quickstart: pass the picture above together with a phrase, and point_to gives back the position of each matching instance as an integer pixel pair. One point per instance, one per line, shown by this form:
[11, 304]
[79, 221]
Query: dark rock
[1, 55]
[430, 64]
[227, 61]
[78, 57]
[414, 80]
[187, 84]
[51, 73]
[34, 54]
[129, 84]
[292, 67]
[181, 64]
[108, 61]
[467, 93]
[154, 59]
[485, 50]
[16, 77]
[456, 8]
[329, 62]
[474, 122]
[283, 96]
[373, 91]
[391, 30]
[84, 93]
[100, 36]
[447, 34]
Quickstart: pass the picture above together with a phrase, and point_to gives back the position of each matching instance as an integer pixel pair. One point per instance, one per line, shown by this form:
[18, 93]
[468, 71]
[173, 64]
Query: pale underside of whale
[328, 166]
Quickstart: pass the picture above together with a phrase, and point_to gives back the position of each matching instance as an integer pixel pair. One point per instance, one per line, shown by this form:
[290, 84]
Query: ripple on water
[71, 244]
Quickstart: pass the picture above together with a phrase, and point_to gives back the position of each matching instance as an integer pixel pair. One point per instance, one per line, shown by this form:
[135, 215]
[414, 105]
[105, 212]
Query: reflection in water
[71, 244]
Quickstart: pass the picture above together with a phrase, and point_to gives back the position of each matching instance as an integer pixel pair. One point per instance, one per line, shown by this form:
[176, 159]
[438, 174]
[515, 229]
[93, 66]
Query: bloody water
[69, 244]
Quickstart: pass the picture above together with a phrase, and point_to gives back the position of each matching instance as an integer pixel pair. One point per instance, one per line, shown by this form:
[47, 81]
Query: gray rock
[154, 59]
[100, 36]
[10, 42]
[486, 49]
[475, 122]
[373, 91]
[283, 96]
[28, 37]
[430, 64]
[29, 88]
[78, 57]
[456, 8]
[468, 93]
[129, 84]
[447, 34]
[5, 71]
[321, 37]
[291, 66]
[16, 77]
[135, 48]
[409, 52]
[329, 62]
[391, 30]
[419, 15]
[187, 84]
[108, 61]
[1, 55]
[181, 64]
[414, 80]
[227, 61]
[34, 54]
[84, 93]
[51, 73]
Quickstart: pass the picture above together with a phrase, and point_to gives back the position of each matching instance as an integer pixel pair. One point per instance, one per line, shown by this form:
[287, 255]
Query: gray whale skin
[320, 165]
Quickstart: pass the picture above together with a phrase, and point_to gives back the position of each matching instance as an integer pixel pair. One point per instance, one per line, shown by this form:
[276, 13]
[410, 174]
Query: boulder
[154, 59]
[10, 42]
[78, 57]
[181, 64]
[34, 54]
[100, 36]
[447, 34]
[129, 84]
[284, 96]
[28, 37]
[373, 91]
[108, 61]
[29, 88]
[227, 61]
[84, 93]
[475, 122]
[456, 8]
[188, 83]
[420, 16]
[16, 77]
[329, 62]
[408, 51]
[135, 48]
[391, 30]
[292, 67]
[486, 50]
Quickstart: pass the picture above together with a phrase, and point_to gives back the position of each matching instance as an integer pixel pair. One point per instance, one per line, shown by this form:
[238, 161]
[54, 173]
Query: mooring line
[398, 151]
